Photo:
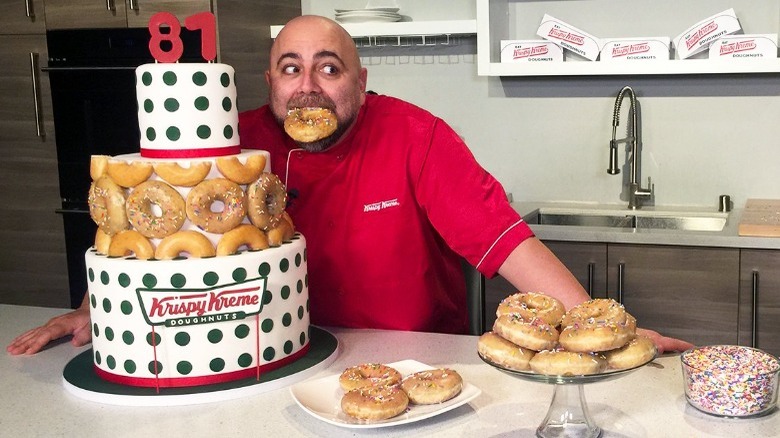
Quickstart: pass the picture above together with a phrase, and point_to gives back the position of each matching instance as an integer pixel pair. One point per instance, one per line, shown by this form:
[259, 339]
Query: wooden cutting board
[761, 218]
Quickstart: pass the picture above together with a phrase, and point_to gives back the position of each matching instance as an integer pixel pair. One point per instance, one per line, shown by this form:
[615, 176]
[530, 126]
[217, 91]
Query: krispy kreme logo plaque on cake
[177, 307]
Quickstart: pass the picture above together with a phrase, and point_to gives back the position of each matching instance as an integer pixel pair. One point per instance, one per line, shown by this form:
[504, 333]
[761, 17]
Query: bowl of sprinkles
[730, 380]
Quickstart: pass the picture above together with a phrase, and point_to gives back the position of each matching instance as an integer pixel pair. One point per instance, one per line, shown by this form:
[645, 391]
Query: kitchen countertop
[727, 238]
[646, 403]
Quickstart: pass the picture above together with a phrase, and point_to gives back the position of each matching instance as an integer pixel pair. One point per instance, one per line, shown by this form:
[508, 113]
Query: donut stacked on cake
[534, 332]
[197, 275]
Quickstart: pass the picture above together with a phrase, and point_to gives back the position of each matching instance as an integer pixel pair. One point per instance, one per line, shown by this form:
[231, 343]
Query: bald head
[314, 63]
[313, 28]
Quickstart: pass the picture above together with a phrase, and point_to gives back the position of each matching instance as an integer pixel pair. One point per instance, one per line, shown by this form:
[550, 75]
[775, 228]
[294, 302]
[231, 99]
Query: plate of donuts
[324, 397]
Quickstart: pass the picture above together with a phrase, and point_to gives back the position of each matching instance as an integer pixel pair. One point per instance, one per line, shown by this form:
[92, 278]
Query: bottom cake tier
[190, 322]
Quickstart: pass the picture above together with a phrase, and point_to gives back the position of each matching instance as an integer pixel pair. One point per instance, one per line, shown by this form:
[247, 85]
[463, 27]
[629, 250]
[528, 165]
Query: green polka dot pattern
[187, 106]
[125, 345]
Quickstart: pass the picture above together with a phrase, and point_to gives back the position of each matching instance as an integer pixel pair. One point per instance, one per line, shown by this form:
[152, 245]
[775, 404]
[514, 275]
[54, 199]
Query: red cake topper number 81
[208, 34]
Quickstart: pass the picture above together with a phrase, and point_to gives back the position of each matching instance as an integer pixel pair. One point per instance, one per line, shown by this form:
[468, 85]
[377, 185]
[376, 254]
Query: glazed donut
[147, 200]
[368, 374]
[187, 241]
[206, 196]
[267, 198]
[98, 166]
[432, 386]
[107, 205]
[530, 305]
[567, 363]
[638, 351]
[282, 233]
[129, 242]
[596, 325]
[129, 174]
[242, 235]
[177, 175]
[102, 242]
[502, 352]
[232, 168]
[374, 402]
[533, 334]
[306, 125]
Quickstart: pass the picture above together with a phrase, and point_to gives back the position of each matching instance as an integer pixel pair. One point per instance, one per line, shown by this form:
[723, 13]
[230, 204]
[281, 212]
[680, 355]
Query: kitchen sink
[627, 219]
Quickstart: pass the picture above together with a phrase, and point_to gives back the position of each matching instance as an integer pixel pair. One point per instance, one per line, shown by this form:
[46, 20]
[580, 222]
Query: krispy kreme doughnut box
[745, 47]
[530, 51]
[635, 49]
[569, 37]
[698, 37]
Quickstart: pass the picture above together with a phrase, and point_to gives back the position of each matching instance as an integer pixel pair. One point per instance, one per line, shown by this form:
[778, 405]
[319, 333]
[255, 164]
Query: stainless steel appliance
[92, 75]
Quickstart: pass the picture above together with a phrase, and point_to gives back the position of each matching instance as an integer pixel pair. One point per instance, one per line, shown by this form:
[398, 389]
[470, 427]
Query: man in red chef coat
[389, 203]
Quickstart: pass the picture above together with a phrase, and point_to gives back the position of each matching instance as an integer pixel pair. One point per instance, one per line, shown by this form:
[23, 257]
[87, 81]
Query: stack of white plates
[367, 15]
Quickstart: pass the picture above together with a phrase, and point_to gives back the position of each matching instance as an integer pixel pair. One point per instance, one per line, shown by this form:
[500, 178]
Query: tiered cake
[197, 276]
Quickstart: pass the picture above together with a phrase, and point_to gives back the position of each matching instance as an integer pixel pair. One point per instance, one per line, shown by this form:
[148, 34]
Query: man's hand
[664, 344]
[74, 323]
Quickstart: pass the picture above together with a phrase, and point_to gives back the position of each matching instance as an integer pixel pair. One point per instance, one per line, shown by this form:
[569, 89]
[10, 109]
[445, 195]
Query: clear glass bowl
[730, 380]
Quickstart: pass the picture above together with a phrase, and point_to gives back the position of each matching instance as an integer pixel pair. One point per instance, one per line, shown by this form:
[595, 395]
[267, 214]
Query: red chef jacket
[385, 213]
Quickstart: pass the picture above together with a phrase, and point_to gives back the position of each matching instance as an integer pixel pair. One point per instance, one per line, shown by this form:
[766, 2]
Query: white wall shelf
[518, 19]
[405, 28]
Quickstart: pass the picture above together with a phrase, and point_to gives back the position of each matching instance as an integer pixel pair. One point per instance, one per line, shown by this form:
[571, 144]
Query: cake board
[79, 379]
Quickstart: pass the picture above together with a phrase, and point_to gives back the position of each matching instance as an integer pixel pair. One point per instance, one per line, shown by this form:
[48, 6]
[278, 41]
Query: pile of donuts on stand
[534, 332]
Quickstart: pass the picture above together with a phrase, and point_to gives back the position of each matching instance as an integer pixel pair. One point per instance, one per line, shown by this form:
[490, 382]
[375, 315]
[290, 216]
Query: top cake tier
[187, 110]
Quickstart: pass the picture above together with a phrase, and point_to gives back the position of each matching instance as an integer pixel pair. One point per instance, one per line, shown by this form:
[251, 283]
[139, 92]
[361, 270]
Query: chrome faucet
[635, 190]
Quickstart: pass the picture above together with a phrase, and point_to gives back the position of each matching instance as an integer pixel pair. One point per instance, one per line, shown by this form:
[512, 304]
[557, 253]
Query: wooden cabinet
[33, 268]
[22, 17]
[245, 43]
[684, 292]
[588, 263]
[74, 14]
[759, 298]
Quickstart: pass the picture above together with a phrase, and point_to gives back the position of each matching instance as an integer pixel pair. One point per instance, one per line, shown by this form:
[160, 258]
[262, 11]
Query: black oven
[92, 76]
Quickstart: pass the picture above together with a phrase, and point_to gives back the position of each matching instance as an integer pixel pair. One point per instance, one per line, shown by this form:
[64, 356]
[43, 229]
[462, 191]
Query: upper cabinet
[499, 20]
[74, 14]
[22, 17]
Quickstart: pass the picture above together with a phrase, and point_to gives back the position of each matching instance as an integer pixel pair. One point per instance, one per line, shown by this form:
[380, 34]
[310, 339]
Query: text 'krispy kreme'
[162, 305]
[739, 46]
[567, 36]
[701, 33]
[630, 49]
[530, 51]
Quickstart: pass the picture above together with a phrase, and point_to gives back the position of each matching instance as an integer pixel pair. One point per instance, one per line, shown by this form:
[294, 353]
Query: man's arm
[532, 267]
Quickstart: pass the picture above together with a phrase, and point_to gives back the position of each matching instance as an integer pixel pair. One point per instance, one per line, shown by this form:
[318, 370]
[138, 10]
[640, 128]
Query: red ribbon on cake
[191, 153]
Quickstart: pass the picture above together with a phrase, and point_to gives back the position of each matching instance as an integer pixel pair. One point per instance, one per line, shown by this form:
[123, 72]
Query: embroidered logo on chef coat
[381, 205]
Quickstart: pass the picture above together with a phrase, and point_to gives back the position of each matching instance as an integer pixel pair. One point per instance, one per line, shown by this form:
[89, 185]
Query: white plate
[322, 399]
[393, 10]
[367, 19]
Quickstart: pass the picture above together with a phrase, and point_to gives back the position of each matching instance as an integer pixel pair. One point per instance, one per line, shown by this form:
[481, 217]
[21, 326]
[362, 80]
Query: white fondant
[156, 116]
[120, 328]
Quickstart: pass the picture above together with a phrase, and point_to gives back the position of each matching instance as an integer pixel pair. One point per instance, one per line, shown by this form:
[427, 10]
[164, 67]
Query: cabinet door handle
[110, 5]
[28, 5]
[591, 271]
[620, 280]
[133, 5]
[754, 325]
[36, 88]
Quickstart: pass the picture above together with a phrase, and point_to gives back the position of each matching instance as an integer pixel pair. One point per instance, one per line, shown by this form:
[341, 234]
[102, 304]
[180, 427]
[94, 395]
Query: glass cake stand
[568, 414]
